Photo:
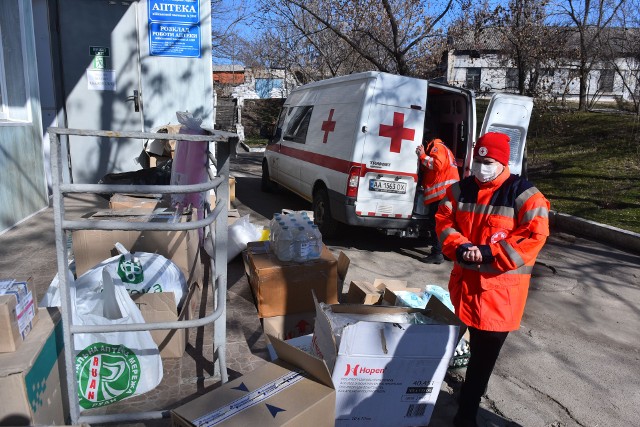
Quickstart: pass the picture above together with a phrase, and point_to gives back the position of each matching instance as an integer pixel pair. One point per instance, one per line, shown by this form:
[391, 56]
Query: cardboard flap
[392, 284]
[162, 303]
[384, 339]
[343, 266]
[371, 309]
[440, 312]
[298, 358]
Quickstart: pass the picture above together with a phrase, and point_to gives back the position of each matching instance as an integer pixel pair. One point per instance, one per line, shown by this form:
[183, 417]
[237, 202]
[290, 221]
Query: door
[510, 114]
[100, 67]
[388, 183]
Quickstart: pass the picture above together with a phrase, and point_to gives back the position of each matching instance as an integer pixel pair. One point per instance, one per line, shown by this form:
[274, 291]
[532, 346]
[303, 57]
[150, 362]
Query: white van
[347, 145]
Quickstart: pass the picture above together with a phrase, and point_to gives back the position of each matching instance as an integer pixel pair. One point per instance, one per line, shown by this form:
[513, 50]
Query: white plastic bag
[141, 273]
[241, 232]
[112, 366]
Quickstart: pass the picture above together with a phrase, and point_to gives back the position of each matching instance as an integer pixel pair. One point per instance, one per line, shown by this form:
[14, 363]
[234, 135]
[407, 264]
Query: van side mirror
[276, 136]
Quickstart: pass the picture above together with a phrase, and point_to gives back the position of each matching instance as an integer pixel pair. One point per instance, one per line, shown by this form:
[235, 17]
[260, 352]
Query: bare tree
[391, 35]
[530, 44]
[295, 40]
[589, 18]
[623, 46]
[226, 17]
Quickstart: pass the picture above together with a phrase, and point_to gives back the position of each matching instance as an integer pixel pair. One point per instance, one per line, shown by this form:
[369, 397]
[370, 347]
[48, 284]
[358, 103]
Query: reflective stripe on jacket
[439, 171]
[508, 219]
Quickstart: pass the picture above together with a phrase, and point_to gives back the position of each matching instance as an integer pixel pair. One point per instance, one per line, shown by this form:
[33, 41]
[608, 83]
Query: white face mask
[485, 173]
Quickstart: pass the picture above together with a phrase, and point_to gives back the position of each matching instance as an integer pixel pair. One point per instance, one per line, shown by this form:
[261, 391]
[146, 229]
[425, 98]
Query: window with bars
[605, 83]
[512, 79]
[473, 78]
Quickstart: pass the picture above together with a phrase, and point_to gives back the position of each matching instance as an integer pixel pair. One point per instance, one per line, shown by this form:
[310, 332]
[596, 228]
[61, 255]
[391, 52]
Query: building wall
[228, 78]
[23, 189]
[563, 83]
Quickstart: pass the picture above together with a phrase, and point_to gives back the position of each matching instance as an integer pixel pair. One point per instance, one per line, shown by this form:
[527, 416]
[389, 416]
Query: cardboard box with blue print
[275, 394]
[32, 379]
[18, 313]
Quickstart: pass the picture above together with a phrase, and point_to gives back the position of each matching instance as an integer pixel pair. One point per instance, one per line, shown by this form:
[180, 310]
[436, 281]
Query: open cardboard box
[91, 247]
[363, 292]
[383, 373]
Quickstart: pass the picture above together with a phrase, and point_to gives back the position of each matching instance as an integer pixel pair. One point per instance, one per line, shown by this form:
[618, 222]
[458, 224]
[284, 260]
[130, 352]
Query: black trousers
[485, 347]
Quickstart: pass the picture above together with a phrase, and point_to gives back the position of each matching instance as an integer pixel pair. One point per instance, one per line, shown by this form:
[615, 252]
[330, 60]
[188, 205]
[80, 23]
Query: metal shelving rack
[218, 277]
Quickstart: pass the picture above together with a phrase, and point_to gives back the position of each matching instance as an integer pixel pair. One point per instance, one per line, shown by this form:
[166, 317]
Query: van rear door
[509, 114]
[395, 123]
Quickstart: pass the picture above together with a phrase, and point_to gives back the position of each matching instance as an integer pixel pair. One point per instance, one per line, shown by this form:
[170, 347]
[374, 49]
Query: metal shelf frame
[218, 276]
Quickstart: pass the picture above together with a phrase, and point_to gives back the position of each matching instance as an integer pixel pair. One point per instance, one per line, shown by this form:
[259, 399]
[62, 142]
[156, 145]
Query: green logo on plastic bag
[106, 373]
[130, 271]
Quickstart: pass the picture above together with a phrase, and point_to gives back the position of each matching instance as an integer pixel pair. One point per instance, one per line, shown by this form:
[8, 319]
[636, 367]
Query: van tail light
[352, 181]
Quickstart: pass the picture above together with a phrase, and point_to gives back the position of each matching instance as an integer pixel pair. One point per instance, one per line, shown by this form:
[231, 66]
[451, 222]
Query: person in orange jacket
[439, 170]
[493, 225]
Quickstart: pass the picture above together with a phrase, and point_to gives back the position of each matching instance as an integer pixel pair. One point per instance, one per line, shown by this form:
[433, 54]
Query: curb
[248, 149]
[617, 237]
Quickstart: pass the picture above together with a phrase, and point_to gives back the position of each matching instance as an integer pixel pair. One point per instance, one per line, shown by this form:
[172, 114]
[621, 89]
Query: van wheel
[322, 214]
[266, 184]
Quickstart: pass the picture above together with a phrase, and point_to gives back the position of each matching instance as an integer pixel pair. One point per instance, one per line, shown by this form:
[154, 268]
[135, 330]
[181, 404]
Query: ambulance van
[347, 145]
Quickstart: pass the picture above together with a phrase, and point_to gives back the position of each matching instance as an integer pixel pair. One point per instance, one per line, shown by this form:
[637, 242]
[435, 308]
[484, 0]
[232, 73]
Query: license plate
[387, 186]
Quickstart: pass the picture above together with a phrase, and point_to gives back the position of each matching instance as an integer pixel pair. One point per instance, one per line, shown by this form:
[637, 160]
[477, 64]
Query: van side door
[510, 114]
[294, 136]
[272, 152]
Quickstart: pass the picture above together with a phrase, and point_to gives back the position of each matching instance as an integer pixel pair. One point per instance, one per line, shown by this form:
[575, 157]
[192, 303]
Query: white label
[101, 80]
[25, 313]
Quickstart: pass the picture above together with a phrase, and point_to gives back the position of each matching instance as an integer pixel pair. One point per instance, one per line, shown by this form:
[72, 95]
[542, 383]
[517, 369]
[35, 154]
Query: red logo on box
[357, 369]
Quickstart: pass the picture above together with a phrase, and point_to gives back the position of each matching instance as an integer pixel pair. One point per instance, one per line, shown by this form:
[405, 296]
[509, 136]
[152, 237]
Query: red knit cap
[494, 145]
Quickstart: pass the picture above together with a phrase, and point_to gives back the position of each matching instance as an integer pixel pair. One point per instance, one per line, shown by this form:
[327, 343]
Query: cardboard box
[18, 313]
[232, 189]
[289, 326]
[138, 201]
[161, 307]
[91, 247]
[361, 292]
[281, 288]
[390, 296]
[274, 394]
[387, 373]
[304, 343]
[32, 379]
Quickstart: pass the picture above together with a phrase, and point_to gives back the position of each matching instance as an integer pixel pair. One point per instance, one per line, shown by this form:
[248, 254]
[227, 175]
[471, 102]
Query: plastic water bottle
[284, 245]
[274, 221]
[301, 246]
[315, 242]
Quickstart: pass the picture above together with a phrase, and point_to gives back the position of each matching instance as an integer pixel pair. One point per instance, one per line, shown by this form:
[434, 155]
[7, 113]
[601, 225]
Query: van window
[298, 124]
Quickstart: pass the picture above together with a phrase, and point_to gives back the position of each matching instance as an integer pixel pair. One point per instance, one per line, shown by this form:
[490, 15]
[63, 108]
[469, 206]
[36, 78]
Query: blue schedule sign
[174, 40]
[182, 11]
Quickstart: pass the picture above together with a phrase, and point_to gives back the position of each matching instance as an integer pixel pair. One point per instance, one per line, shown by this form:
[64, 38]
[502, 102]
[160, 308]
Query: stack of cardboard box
[32, 378]
[379, 374]
[283, 289]
[376, 372]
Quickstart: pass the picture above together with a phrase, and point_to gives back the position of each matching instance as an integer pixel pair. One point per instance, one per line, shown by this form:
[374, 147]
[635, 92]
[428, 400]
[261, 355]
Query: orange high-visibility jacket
[508, 219]
[439, 170]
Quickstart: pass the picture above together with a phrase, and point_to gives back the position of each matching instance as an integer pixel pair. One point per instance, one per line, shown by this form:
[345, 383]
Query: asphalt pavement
[574, 361]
